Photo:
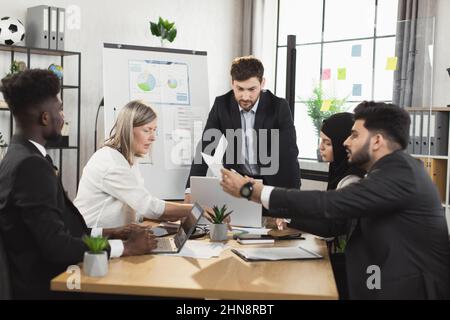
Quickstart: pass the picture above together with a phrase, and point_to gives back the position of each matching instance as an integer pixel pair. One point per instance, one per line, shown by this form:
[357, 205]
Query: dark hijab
[338, 128]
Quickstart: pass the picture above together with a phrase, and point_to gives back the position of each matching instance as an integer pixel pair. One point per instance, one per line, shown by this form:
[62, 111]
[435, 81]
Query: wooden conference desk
[225, 277]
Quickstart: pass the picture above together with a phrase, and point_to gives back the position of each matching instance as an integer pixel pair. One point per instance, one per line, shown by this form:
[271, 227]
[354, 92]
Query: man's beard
[361, 157]
[55, 136]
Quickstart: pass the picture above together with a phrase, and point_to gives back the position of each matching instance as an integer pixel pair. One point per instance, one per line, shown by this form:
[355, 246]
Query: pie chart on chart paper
[146, 82]
[172, 83]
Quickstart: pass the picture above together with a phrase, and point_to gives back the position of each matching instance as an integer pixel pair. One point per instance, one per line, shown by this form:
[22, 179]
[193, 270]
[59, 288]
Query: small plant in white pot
[218, 230]
[95, 263]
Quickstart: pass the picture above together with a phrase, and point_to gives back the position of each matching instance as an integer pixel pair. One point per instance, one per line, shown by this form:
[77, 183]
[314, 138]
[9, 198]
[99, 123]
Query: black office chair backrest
[5, 285]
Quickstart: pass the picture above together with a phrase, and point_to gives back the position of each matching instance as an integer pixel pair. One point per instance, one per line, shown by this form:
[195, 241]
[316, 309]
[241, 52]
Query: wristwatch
[246, 190]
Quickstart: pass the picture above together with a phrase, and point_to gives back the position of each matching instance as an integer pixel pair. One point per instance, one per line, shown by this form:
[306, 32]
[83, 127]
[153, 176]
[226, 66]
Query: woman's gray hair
[134, 114]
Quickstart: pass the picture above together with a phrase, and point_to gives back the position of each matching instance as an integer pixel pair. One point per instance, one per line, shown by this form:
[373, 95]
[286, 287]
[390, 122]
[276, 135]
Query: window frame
[322, 42]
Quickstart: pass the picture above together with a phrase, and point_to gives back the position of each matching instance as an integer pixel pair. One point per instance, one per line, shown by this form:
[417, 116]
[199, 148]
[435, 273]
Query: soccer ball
[12, 31]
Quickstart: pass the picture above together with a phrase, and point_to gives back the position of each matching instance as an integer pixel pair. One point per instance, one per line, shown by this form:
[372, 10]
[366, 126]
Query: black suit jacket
[40, 227]
[272, 113]
[401, 228]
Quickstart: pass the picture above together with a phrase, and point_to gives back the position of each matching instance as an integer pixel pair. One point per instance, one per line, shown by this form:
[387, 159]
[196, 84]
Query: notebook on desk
[276, 254]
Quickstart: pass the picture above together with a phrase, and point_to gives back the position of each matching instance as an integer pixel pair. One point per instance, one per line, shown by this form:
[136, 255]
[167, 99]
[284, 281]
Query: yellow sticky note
[342, 73]
[391, 63]
[326, 104]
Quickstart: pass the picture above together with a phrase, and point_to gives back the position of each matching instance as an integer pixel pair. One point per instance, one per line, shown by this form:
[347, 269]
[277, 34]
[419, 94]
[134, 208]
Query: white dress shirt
[116, 245]
[112, 193]
[249, 147]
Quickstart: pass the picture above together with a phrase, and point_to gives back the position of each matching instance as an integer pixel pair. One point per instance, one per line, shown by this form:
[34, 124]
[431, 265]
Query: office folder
[437, 169]
[53, 27]
[275, 254]
[411, 134]
[60, 29]
[417, 132]
[439, 133]
[425, 133]
[37, 27]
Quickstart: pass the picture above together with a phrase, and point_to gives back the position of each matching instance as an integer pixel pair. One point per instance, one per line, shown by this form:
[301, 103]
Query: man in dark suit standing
[40, 227]
[259, 129]
[399, 244]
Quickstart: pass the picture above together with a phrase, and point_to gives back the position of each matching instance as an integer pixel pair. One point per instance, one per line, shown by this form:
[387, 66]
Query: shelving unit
[445, 193]
[30, 52]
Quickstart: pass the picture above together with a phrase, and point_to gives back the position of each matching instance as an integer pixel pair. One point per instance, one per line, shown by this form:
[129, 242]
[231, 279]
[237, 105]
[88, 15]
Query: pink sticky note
[326, 74]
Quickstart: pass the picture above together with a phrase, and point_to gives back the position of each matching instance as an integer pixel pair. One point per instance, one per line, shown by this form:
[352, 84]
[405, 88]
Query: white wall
[441, 79]
[212, 26]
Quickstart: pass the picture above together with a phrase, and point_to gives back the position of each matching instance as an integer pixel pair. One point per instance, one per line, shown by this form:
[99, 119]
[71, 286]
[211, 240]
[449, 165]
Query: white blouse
[112, 193]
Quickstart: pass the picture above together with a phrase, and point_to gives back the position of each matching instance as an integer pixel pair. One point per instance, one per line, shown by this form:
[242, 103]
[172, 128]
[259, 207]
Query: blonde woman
[111, 191]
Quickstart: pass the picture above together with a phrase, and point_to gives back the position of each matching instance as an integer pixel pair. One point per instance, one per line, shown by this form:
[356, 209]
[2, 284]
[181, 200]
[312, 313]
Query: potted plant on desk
[218, 230]
[95, 263]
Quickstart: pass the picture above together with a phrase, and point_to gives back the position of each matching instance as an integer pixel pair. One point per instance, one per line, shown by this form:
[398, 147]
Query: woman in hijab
[335, 130]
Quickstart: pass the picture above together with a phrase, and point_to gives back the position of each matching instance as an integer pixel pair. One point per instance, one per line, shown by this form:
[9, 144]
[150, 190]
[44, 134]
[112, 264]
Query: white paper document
[215, 162]
[278, 253]
[201, 250]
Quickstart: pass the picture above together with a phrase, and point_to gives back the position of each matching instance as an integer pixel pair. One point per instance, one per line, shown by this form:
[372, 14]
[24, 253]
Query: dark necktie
[49, 159]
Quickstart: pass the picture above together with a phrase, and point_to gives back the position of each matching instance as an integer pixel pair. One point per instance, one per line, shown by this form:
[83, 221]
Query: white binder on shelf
[439, 133]
[417, 132]
[37, 27]
[411, 134]
[425, 132]
[53, 27]
[60, 36]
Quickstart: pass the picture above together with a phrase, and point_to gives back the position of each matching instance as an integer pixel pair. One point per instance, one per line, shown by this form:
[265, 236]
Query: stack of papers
[278, 253]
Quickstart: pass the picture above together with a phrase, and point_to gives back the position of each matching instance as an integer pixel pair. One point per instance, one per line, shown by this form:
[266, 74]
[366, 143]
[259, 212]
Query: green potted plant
[95, 263]
[164, 29]
[317, 112]
[16, 67]
[218, 230]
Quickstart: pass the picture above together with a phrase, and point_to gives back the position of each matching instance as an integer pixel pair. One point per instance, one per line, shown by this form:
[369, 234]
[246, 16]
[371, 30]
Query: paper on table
[278, 253]
[252, 230]
[215, 162]
[200, 249]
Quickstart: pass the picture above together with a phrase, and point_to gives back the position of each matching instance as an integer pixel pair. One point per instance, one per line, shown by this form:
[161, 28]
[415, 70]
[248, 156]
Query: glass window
[350, 65]
[387, 17]
[307, 140]
[302, 18]
[383, 78]
[346, 19]
[308, 70]
[344, 64]
[281, 72]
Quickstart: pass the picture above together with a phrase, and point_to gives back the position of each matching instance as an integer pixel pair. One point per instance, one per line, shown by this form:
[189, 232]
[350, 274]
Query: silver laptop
[175, 244]
[208, 192]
